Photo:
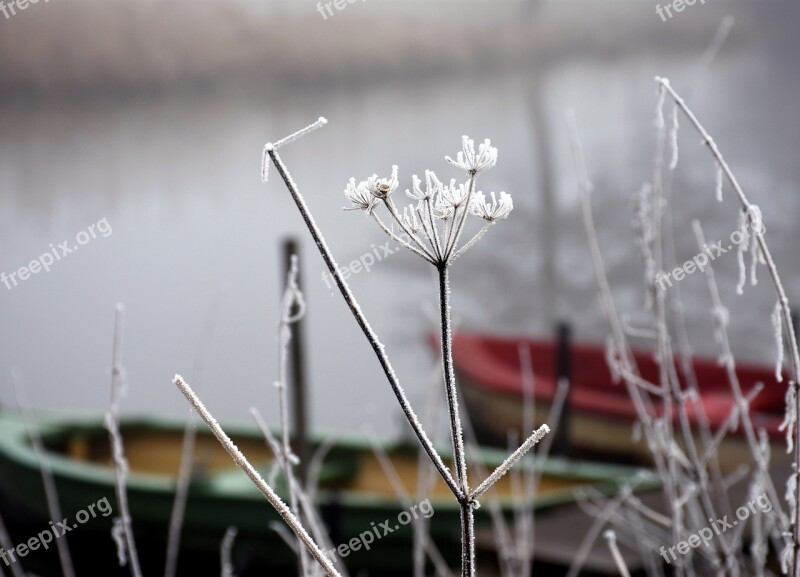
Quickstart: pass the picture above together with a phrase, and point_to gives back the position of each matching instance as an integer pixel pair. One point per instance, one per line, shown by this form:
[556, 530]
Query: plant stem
[450, 379]
[456, 432]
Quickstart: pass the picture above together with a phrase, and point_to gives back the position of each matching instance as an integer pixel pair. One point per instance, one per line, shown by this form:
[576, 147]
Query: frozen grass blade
[123, 521]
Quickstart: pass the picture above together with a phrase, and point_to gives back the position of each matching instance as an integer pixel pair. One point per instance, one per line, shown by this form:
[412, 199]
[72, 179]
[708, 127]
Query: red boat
[601, 414]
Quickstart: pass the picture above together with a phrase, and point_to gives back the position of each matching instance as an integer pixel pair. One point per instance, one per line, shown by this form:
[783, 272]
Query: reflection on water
[178, 180]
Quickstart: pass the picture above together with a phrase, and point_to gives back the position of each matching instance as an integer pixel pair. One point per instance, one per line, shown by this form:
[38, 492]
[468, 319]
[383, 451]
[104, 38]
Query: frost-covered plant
[431, 229]
[693, 484]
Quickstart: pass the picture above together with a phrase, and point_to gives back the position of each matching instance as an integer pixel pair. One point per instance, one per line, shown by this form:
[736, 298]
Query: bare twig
[123, 521]
[238, 458]
[611, 538]
[502, 469]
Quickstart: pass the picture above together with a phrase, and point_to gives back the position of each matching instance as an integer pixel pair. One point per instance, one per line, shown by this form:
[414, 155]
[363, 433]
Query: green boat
[354, 493]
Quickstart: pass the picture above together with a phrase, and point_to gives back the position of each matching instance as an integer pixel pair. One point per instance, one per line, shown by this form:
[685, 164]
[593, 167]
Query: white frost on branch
[719, 183]
[662, 96]
[118, 535]
[740, 250]
[777, 325]
[791, 490]
[269, 147]
[790, 418]
[674, 139]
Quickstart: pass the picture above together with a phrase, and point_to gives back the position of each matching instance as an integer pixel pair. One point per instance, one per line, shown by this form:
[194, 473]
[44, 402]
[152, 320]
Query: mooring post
[561, 444]
[297, 372]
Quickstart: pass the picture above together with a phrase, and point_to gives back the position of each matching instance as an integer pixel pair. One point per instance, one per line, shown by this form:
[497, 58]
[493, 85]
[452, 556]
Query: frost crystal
[118, 534]
[777, 324]
[791, 489]
[493, 211]
[719, 183]
[452, 197]
[662, 95]
[410, 219]
[433, 187]
[674, 138]
[790, 418]
[473, 163]
[741, 249]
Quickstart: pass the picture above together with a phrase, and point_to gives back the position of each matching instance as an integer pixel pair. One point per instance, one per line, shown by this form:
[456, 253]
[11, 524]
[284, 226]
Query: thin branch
[238, 458]
[510, 461]
[611, 538]
[400, 241]
[479, 235]
[292, 299]
[315, 525]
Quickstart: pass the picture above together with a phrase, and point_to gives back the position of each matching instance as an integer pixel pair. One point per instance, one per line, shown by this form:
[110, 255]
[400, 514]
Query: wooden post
[297, 373]
[561, 444]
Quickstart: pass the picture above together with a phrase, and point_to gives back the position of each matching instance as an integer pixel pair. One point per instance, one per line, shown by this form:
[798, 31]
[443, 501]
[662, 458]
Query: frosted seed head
[381, 188]
[470, 162]
[360, 196]
[494, 210]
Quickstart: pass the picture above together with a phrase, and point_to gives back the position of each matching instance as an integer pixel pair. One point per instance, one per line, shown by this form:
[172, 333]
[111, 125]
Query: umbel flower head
[473, 163]
[431, 228]
[360, 196]
[493, 211]
[381, 188]
[368, 193]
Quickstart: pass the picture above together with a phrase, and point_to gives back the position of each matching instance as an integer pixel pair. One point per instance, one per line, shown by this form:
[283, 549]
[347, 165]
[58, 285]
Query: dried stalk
[749, 210]
[126, 545]
[258, 481]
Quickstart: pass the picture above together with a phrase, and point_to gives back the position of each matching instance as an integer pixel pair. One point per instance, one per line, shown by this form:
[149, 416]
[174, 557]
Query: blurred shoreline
[152, 46]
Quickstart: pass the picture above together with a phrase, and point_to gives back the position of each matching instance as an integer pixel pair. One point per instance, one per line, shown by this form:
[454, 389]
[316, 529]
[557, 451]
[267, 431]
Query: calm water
[177, 179]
